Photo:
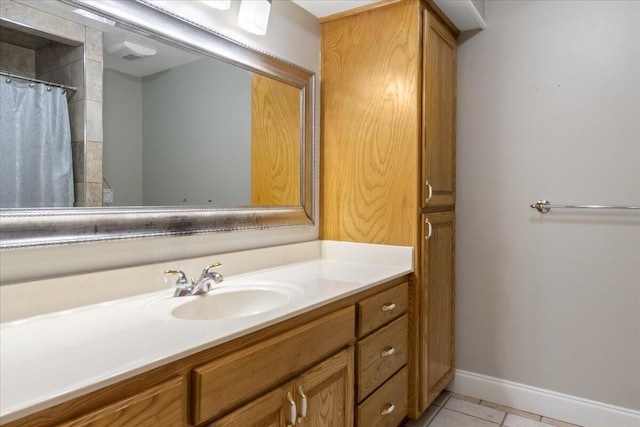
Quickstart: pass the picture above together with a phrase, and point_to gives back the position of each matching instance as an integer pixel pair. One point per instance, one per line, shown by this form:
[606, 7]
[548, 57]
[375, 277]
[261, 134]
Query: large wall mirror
[174, 129]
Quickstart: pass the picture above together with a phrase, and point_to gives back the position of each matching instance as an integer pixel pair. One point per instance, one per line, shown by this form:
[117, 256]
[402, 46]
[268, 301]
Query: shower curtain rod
[33, 80]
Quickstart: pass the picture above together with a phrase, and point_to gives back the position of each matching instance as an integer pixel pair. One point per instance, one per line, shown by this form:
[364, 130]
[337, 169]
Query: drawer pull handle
[387, 352]
[388, 307]
[388, 409]
[430, 228]
[429, 192]
[292, 410]
[303, 404]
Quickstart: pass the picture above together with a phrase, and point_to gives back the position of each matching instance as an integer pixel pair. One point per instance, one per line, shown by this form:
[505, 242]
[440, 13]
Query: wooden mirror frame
[54, 226]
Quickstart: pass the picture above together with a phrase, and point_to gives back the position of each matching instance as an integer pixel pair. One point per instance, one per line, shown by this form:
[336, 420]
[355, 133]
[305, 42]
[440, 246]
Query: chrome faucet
[186, 287]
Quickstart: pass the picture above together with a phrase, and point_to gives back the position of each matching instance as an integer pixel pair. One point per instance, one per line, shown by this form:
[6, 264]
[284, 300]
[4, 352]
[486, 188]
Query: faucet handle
[182, 278]
[209, 267]
[209, 274]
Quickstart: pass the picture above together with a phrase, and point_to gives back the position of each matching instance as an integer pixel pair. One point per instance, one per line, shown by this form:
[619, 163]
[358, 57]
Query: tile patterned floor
[455, 410]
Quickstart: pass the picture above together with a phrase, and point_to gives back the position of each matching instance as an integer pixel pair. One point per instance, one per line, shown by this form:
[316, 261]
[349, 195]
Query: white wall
[197, 135]
[549, 107]
[293, 35]
[122, 134]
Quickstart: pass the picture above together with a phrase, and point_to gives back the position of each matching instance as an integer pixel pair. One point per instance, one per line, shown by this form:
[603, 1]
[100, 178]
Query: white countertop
[53, 358]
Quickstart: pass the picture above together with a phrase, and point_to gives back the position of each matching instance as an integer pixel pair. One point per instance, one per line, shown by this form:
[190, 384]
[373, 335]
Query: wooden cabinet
[438, 326]
[223, 384]
[328, 391]
[438, 113]
[386, 407]
[381, 357]
[320, 397]
[267, 377]
[161, 406]
[388, 155]
[266, 411]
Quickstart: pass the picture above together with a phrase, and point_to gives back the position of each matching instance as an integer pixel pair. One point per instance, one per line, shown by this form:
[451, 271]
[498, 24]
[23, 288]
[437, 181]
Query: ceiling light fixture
[254, 16]
[218, 4]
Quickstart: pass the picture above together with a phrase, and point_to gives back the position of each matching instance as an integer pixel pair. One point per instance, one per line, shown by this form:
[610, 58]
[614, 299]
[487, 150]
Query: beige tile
[76, 117]
[17, 59]
[78, 189]
[558, 423]
[93, 44]
[77, 152]
[94, 194]
[93, 162]
[441, 399]
[94, 121]
[425, 418]
[71, 75]
[42, 21]
[518, 421]
[475, 410]
[448, 418]
[465, 398]
[57, 55]
[94, 80]
[511, 410]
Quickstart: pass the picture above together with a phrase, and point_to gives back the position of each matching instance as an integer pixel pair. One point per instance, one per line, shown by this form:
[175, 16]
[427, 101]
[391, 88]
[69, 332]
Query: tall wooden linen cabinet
[388, 82]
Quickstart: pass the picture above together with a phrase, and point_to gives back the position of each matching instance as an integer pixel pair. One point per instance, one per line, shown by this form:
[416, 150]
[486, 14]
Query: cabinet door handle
[430, 228]
[388, 307]
[389, 408]
[387, 352]
[292, 410]
[303, 403]
[429, 192]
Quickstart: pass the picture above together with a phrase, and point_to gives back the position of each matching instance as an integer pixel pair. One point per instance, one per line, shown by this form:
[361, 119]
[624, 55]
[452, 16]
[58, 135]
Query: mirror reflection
[149, 124]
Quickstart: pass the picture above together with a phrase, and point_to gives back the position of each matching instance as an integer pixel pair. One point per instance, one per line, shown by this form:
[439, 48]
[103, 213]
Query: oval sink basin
[228, 301]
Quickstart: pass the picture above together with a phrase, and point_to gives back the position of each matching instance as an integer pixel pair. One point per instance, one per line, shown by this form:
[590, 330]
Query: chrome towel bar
[544, 206]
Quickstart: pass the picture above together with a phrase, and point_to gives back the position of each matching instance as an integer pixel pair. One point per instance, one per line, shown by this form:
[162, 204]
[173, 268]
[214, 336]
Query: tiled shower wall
[79, 64]
[17, 59]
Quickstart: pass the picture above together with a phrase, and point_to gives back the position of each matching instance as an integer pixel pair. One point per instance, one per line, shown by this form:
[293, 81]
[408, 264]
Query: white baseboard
[577, 410]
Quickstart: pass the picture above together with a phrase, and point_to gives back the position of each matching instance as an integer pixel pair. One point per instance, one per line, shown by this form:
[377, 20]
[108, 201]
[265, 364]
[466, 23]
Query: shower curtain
[36, 167]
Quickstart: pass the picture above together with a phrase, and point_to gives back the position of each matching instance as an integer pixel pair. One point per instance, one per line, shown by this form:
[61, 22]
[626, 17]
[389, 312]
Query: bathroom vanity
[333, 352]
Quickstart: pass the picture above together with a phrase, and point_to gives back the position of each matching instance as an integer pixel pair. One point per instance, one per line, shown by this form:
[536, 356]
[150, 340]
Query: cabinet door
[328, 388]
[438, 113]
[437, 355]
[266, 411]
[371, 126]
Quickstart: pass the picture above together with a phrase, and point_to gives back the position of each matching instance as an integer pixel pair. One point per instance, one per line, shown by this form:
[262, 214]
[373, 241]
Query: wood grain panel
[266, 411]
[223, 384]
[439, 324]
[439, 111]
[394, 391]
[371, 125]
[159, 406]
[329, 391]
[275, 142]
[374, 368]
[370, 313]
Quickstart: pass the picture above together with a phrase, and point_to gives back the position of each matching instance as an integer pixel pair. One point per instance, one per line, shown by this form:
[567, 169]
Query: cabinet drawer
[380, 355]
[159, 406]
[230, 381]
[387, 406]
[381, 308]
